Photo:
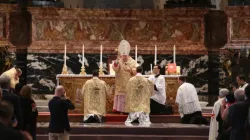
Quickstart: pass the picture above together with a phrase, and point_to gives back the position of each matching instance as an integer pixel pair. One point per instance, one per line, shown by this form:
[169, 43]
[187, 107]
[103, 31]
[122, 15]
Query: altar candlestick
[136, 53]
[83, 55]
[101, 57]
[155, 54]
[174, 55]
[65, 50]
[151, 69]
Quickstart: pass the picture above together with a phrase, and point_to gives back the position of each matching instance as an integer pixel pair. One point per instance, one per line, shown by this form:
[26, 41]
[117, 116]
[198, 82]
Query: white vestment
[214, 125]
[160, 95]
[244, 86]
[187, 99]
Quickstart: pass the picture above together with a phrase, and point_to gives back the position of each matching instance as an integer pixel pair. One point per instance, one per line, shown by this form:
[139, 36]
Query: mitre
[124, 47]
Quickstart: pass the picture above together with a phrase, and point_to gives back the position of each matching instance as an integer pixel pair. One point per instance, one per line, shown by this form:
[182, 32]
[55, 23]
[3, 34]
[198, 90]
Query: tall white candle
[174, 55]
[65, 51]
[101, 57]
[83, 55]
[155, 54]
[136, 53]
[151, 68]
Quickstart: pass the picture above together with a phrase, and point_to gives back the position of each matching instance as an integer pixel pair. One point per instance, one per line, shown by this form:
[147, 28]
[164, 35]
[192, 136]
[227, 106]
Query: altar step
[128, 137]
[78, 117]
[113, 131]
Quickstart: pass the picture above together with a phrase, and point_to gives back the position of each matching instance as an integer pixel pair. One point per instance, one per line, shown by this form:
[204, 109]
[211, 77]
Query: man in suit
[237, 115]
[13, 99]
[59, 105]
[7, 133]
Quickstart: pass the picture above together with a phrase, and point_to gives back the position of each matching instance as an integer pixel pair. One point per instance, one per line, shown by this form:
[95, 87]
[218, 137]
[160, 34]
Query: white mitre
[124, 47]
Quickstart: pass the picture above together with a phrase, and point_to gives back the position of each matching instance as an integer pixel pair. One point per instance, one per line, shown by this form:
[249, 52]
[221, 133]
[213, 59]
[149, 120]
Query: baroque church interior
[60, 42]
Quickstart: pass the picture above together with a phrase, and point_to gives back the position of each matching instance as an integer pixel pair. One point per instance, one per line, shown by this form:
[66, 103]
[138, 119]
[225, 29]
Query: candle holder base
[65, 69]
[101, 71]
[83, 71]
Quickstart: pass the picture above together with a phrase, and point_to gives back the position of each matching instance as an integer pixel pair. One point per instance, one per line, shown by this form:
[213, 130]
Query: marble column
[20, 37]
[215, 38]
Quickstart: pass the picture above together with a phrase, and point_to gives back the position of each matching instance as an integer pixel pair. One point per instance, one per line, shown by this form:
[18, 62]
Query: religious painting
[240, 28]
[117, 29]
[96, 29]
[71, 30]
[54, 30]
[141, 30]
[181, 30]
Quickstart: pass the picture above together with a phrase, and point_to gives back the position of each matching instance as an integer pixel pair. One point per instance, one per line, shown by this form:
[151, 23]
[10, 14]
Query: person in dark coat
[59, 105]
[236, 117]
[13, 99]
[29, 110]
[6, 132]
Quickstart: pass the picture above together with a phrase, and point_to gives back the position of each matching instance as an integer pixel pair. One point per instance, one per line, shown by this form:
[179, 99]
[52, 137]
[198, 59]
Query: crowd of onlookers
[231, 113]
[18, 112]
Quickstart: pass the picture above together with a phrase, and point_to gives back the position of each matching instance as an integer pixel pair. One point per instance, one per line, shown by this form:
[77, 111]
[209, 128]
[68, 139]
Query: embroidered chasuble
[94, 92]
[139, 91]
[11, 73]
[123, 72]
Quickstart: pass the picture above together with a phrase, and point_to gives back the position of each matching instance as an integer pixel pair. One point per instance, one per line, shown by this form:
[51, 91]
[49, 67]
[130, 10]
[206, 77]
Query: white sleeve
[179, 96]
[152, 79]
[161, 85]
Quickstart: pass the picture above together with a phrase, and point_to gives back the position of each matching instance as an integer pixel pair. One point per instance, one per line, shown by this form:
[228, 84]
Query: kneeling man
[139, 91]
[189, 104]
[94, 92]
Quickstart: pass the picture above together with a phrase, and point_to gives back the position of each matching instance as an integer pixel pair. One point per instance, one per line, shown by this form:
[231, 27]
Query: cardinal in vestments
[94, 92]
[124, 68]
[13, 74]
[214, 125]
[139, 91]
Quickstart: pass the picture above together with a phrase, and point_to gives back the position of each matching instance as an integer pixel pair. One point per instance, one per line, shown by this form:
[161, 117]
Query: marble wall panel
[42, 68]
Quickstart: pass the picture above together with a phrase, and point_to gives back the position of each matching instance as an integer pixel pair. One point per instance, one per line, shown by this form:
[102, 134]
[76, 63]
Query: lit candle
[155, 54]
[151, 68]
[174, 55]
[83, 55]
[65, 49]
[101, 57]
[136, 53]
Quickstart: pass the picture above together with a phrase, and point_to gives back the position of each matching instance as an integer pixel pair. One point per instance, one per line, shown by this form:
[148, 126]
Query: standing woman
[29, 109]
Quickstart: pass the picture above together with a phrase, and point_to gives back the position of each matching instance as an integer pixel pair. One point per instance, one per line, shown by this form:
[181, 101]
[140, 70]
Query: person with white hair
[239, 95]
[59, 105]
[214, 125]
[124, 68]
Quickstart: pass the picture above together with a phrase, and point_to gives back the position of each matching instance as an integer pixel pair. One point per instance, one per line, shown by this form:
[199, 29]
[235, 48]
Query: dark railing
[238, 2]
[189, 3]
[46, 4]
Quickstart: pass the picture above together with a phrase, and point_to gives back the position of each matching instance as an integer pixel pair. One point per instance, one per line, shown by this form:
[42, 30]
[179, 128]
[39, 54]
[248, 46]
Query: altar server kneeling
[189, 104]
[94, 93]
[139, 91]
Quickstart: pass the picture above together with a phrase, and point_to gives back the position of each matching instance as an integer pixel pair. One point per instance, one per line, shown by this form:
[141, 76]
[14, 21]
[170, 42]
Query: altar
[73, 84]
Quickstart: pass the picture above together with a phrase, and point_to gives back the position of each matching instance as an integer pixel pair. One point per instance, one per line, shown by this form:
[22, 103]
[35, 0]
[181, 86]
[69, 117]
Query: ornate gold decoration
[171, 91]
[227, 65]
[73, 88]
[65, 69]
[83, 70]
[101, 70]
